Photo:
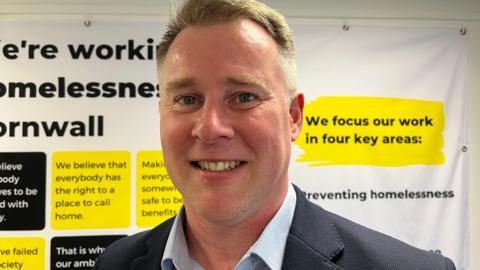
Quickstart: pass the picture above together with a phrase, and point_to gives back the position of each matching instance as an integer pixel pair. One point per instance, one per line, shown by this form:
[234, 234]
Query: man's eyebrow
[237, 80]
[246, 80]
[180, 83]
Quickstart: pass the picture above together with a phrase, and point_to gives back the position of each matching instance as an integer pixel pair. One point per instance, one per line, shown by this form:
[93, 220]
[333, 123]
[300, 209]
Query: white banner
[80, 160]
[388, 153]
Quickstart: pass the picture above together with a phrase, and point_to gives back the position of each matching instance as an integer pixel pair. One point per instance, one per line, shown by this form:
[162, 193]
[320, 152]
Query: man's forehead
[242, 43]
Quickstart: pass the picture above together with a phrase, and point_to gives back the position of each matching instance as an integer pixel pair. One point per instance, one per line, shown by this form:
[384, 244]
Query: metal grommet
[464, 149]
[87, 23]
[346, 27]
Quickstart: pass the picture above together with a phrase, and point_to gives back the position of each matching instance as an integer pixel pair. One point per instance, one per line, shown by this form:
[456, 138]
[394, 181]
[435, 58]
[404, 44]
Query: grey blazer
[317, 240]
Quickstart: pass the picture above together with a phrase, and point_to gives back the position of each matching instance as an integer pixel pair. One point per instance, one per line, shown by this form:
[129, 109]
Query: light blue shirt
[266, 253]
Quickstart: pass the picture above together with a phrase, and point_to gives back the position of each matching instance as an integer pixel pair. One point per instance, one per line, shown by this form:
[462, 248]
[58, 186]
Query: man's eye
[245, 97]
[187, 100]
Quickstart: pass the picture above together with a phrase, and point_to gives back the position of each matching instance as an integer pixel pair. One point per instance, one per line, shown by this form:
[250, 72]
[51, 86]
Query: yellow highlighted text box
[373, 131]
[157, 197]
[90, 190]
[22, 253]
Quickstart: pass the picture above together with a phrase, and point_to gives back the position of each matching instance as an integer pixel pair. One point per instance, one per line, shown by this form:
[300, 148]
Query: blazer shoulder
[339, 243]
[121, 253]
[370, 249]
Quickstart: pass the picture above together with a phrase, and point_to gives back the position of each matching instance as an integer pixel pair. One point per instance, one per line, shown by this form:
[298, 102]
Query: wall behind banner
[459, 13]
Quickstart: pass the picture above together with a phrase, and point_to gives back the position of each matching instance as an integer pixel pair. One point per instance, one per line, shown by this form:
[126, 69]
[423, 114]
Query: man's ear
[296, 115]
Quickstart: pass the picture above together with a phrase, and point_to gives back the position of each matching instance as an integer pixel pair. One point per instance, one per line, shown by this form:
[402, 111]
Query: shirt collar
[270, 246]
[176, 254]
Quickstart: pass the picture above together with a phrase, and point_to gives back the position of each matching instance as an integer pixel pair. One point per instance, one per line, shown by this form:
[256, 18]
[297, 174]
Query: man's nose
[212, 124]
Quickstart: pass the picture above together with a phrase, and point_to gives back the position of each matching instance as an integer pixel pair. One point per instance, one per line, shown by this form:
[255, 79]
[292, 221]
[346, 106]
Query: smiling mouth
[217, 166]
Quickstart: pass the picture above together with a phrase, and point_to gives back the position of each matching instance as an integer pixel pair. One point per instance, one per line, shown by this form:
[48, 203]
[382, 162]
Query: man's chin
[226, 210]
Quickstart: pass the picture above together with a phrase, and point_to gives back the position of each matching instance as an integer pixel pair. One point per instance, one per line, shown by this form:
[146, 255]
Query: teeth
[218, 166]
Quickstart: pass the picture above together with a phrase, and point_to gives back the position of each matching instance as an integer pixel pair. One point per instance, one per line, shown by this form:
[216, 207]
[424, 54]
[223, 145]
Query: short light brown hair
[209, 12]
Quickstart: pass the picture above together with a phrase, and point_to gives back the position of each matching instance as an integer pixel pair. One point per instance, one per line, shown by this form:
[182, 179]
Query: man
[229, 111]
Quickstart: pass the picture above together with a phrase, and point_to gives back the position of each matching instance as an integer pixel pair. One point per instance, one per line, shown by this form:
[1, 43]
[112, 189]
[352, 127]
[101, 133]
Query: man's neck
[221, 245]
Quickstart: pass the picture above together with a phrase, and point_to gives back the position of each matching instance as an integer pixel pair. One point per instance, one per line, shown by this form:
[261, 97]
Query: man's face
[226, 123]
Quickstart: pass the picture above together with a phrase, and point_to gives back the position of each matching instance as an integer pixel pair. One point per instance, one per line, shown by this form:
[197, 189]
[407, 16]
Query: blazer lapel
[313, 241]
[156, 241]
